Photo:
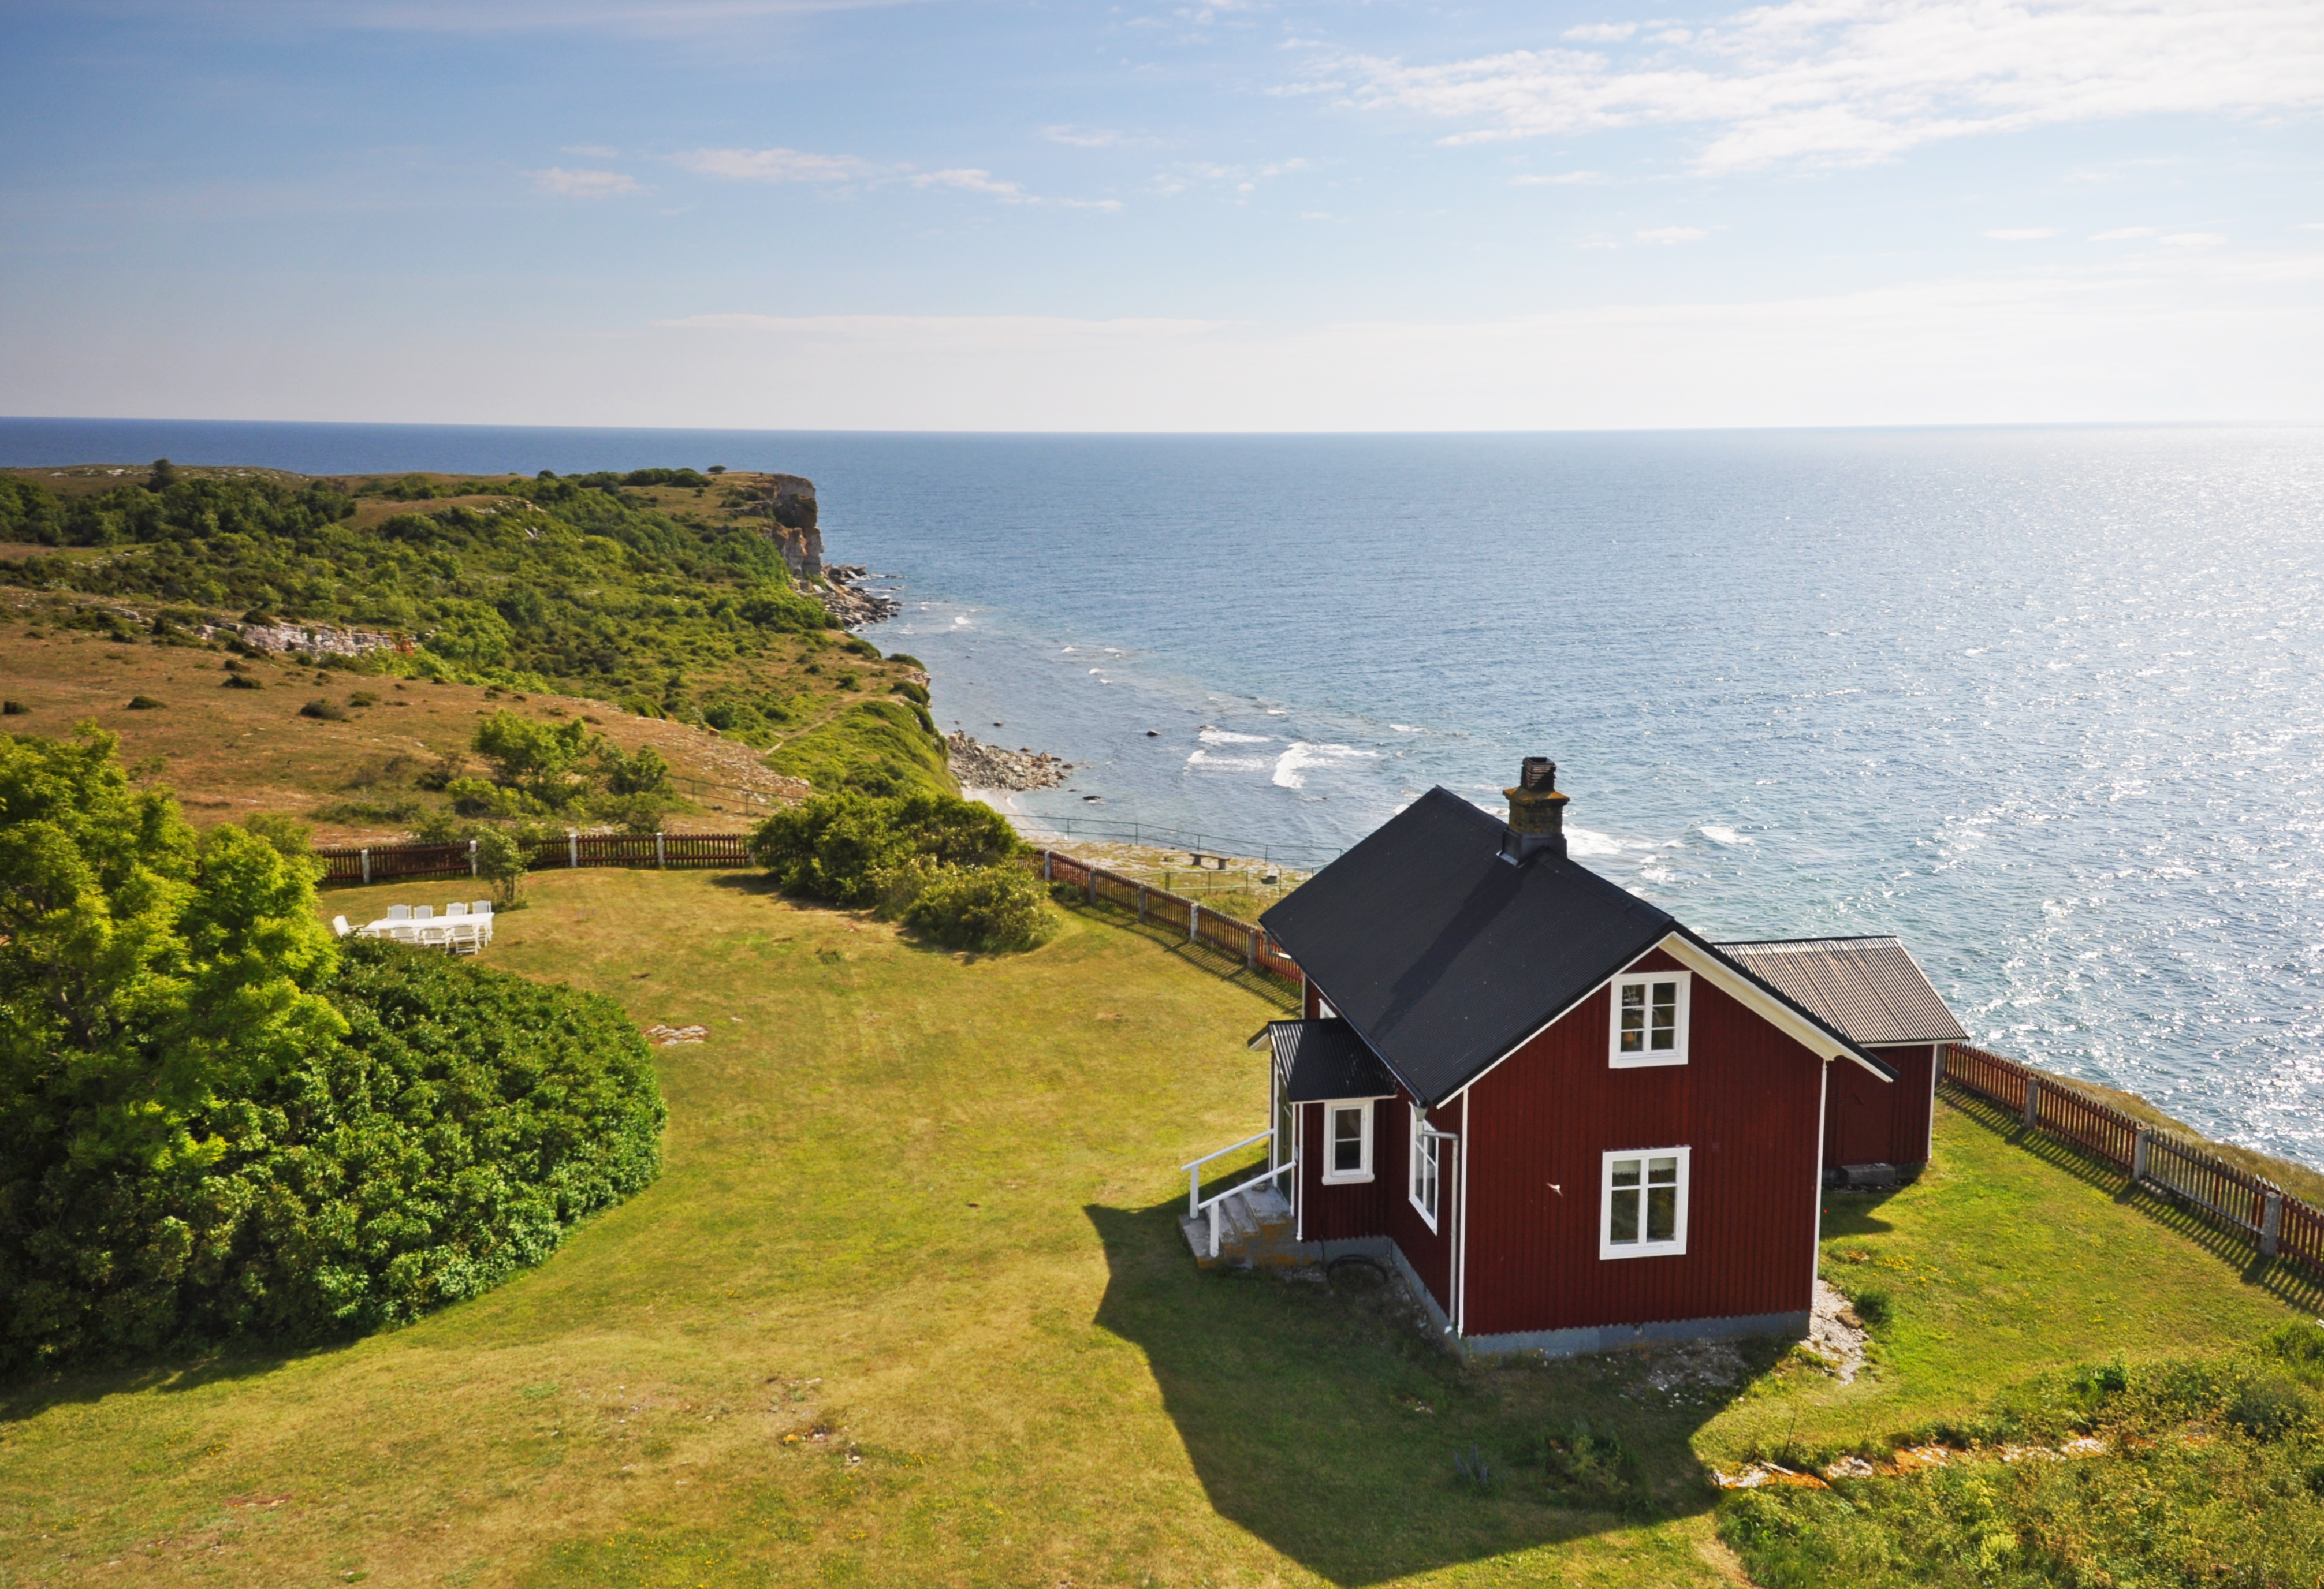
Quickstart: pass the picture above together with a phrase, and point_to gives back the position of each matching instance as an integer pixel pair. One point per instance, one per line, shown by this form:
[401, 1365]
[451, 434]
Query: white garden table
[470, 933]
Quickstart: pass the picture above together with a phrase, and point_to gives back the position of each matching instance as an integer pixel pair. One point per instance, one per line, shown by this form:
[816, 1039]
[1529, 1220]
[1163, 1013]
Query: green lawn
[909, 1306]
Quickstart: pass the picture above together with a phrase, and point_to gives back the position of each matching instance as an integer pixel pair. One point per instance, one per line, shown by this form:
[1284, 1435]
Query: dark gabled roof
[1871, 990]
[1324, 1060]
[1445, 956]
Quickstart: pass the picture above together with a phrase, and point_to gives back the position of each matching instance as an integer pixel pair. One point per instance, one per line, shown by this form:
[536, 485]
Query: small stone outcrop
[979, 765]
[844, 596]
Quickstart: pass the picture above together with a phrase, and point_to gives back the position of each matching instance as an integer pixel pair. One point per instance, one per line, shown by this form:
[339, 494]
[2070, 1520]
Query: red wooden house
[1569, 1120]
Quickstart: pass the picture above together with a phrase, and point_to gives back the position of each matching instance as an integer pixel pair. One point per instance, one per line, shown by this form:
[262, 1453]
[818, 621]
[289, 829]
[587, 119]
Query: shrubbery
[941, 865]
[2215, 1475]
[216, 1125]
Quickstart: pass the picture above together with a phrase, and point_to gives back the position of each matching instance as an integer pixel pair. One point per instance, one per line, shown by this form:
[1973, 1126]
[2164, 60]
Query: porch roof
[1324, 1060]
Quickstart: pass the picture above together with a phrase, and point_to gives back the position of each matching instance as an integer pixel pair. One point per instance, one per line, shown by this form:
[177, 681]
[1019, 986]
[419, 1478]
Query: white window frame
[1427, 1148]
[1641, 1247]
[1333, 1174]
[1674, 1056]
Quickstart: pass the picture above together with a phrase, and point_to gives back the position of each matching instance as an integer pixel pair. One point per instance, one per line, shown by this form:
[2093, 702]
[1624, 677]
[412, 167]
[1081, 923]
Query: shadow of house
[1323, 1417]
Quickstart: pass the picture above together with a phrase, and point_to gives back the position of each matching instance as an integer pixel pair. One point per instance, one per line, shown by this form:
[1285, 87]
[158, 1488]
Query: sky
[988, 215]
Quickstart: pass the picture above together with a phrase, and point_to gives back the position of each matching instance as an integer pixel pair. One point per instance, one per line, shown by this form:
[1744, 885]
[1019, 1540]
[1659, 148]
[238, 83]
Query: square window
[1649, 1024]
[1643, 1211]
[1348, 1141]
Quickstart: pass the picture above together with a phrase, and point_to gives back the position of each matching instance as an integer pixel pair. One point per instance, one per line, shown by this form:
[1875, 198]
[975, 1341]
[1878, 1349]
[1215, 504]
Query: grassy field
[909, 1306]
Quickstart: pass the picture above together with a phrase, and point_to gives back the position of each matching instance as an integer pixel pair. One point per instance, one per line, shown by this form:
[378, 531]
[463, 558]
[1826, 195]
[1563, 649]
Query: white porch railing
[1197, 1205]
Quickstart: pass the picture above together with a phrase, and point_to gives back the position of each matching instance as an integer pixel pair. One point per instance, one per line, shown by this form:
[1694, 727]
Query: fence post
[1194, 920]
[366, 861]
[2032, 1104]
[2271, 1223]
[2138, 1157]
[1250, 951]
[661, 861]
[1089, 876]
[1047, 856]
[472, 857]
[573, 846]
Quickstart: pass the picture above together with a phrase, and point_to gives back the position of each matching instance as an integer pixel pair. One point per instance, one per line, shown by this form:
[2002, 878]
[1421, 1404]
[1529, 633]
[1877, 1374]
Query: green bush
[991, 908]
[839, 847]
[1873, 1306]
[216, 1125]
[327, 710]
[2214, 1474]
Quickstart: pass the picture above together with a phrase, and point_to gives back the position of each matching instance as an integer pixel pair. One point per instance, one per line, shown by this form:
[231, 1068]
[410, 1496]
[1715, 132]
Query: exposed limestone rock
[979, 765]
[849, 601]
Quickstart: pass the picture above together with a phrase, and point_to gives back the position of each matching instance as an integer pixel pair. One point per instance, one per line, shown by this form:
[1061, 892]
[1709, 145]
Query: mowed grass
[908, 1305]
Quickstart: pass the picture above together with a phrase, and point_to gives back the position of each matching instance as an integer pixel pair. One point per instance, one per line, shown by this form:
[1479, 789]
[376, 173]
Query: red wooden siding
[1429, 1252]
[1347, 1208]
[1747, 1103]
[1869, 1121]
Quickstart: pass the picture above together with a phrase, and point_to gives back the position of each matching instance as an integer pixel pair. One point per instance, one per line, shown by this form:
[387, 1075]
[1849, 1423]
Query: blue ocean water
[2047, 702]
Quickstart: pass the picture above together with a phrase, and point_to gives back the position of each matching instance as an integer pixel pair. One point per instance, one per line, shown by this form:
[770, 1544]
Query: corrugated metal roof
[1322, 1060]
[1870, 988]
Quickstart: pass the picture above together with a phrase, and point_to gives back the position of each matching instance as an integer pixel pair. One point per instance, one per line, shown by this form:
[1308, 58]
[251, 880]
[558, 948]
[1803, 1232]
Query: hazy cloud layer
[1852, 81]
[584, 184]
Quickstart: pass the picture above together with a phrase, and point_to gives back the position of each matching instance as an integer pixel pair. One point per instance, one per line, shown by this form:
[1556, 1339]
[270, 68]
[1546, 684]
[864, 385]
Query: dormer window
[1650, 1022]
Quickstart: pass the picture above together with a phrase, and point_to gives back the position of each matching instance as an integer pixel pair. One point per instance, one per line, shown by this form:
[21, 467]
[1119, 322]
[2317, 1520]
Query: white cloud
[774, 165]
[591, 150]
[584, 184]
[2192, 239]
[2123, 234]
[1666, 235]
[1561, 179]
[971, 180]
[1589, 242]
[1603, 33]
[2023, 234]
[1186, 174]
[2310, 227]
[1854, 81]
[1095, 137]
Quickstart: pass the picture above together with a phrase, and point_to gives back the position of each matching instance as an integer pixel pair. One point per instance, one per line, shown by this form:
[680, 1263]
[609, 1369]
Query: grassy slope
[840, 714]
[924, 1204]
[230, 753]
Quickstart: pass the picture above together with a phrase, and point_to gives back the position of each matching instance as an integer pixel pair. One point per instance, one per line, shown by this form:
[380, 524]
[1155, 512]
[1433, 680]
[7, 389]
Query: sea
[2046, 702]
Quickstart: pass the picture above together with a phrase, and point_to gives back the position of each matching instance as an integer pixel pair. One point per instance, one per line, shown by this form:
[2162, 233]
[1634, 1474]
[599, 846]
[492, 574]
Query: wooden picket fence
[1250, 943]
[394, 863]
[2276, 1223]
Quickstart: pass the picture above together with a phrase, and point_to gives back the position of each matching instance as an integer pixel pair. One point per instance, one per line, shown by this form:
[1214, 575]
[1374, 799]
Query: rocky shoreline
[846, 599]
[979, 765]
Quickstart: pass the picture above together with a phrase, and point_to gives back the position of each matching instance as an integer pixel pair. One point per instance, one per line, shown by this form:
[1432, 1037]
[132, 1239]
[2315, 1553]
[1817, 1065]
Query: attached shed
[1875, 991]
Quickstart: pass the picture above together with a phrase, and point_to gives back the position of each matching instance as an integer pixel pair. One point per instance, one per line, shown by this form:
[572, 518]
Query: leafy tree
[500, 860]
[164, 475]
[835, 847]
[216, 1123]
[534, 757]
[645, 772]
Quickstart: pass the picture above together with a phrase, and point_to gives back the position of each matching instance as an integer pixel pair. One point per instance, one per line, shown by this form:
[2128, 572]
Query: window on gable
[1649, 1019]
[1427, 1145]
[1348, 1141]
[1642, 1210]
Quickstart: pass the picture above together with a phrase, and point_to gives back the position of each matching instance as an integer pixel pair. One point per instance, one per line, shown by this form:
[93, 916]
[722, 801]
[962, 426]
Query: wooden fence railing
[2276, 1223]
[391, 863]
[1252, 944]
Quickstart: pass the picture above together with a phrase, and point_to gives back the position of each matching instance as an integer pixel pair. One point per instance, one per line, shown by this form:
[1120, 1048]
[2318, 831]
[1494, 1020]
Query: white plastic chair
[339, 926]
[398, 913]
[465, 937]
[483, 908]
[456, 909]
[424, 912]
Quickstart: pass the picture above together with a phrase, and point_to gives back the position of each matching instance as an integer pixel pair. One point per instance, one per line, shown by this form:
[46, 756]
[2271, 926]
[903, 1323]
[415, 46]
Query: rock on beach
[979, 765]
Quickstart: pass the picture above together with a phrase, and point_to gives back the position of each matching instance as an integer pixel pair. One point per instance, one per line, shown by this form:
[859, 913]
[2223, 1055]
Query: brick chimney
[1536, 813]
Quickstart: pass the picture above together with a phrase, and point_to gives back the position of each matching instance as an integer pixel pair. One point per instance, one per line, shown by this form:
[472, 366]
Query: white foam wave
[1226, 763]
[1211, 736]
[1405, 728]
[1292, 767]
[1720, 833]
[1587, 841]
